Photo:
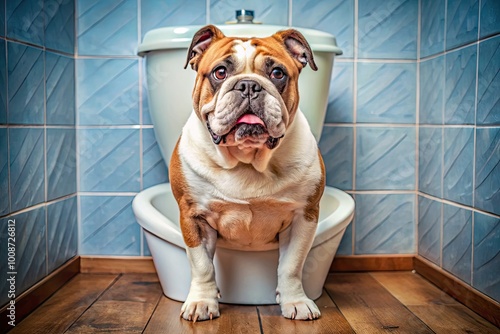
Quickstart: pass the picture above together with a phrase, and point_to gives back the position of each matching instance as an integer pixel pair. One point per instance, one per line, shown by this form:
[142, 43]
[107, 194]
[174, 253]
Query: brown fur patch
[190, 220]
[311, 211]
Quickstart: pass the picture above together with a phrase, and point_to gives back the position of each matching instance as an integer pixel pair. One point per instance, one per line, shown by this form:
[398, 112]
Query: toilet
[243, 277]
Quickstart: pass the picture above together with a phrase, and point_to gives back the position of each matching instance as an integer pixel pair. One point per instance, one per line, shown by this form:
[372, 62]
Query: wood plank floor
[378, 302]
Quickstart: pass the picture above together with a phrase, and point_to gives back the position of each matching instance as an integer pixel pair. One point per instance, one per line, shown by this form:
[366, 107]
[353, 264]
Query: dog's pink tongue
[250, 119]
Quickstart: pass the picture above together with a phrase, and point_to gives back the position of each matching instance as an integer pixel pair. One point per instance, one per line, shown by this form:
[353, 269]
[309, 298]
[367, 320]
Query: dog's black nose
[248, 88]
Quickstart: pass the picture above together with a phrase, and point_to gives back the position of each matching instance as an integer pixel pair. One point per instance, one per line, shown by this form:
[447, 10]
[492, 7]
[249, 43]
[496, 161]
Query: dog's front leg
[202, 301]
[295, 243]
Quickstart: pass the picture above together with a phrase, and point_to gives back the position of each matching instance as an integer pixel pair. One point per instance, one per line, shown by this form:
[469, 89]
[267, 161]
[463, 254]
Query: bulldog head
[246, 89]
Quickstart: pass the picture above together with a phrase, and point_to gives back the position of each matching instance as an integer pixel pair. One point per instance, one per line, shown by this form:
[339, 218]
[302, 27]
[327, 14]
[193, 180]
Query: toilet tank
[170, 86]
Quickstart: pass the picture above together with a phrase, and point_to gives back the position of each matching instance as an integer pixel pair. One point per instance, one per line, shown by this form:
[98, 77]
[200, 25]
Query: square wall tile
[430, 161]
[340, 97]
[30, 259]
[486, 274]
[461, 22]
[107, 27]
[60, 86]
[487, 192]
[432, 81]
[108, 91]
[385, 224]
[460, 85]
[387, 29]
[3, 82]
[490, 22]
[336, 146]
[457, 241]
[345, 247]
[62, 232]
[2, 17]
[27, 175]
[109, 160]
[154, 167]
[60, 25]
[25, 21]
[432, 27]
[335, 17]
[158, 13]
[61, 163]
[488, 84]
[25, 84]
[386, 93]
[429, 229]
[385, 158]
[108, 226]
[4, 173]
[267, 12]
[458, 164]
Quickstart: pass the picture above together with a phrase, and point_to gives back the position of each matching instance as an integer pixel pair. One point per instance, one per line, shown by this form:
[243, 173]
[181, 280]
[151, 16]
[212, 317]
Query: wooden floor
[381, 302]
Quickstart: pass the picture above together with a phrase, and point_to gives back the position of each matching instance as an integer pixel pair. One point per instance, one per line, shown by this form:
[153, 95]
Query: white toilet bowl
[244, 277]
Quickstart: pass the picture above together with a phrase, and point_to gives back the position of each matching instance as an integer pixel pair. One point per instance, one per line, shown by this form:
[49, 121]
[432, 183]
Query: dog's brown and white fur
[246, 171]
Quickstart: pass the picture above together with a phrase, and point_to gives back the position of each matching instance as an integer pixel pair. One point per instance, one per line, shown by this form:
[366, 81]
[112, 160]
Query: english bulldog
[246, 171]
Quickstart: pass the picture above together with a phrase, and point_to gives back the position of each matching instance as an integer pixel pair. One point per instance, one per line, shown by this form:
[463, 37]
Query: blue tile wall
[385, 158]
[25, 84]
[490, 12]
[60, 25]
[335, 17]
[429, 229]
[461, 22]
[25, 21]
[37, 136]
[432, 27]
[488, 99]
[62, 232]
[458, 164]
[386, 93]
[3, 82]
[486, 271]
[61, 162]
[27, 183]
[158, 13]
[107, 27]
[487, 192]
[60, 89]
[430, 163]
[460, 93]
[457, 241]
[108, 226]
[109, 160]
[108, 91]
[385, 224]
[387, 29]
[154, 167]
[269, 12]
[340, 100]
[336, 146]
[432, 80]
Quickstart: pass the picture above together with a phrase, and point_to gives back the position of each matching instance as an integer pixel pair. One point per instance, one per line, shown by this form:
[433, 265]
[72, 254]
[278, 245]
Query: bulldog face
[246, 89]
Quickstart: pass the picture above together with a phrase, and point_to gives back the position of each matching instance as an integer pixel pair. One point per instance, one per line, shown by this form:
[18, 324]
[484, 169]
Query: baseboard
[29, 300]
[116, 265]
[355, 263]
[464, 293]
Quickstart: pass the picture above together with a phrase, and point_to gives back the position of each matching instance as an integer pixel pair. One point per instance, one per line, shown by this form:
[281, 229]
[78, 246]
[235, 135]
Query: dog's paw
[302, 309]
[201, 309]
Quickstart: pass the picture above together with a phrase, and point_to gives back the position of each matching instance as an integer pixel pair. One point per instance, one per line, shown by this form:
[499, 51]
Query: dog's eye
[220, 73]
[277, 73]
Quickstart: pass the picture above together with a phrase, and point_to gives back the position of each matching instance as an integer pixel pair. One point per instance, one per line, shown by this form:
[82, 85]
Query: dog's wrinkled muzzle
[217, 139]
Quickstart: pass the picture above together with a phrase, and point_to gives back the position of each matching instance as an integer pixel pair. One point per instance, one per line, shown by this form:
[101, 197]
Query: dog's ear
[201, 41]
[297, 46]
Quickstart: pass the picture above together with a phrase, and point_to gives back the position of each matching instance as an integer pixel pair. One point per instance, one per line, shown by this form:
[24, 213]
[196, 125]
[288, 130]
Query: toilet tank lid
[180, 37]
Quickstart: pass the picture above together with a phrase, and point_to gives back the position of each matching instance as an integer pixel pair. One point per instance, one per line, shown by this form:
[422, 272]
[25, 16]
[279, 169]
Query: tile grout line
[354, 115]
[417, 126]
[141, 133]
